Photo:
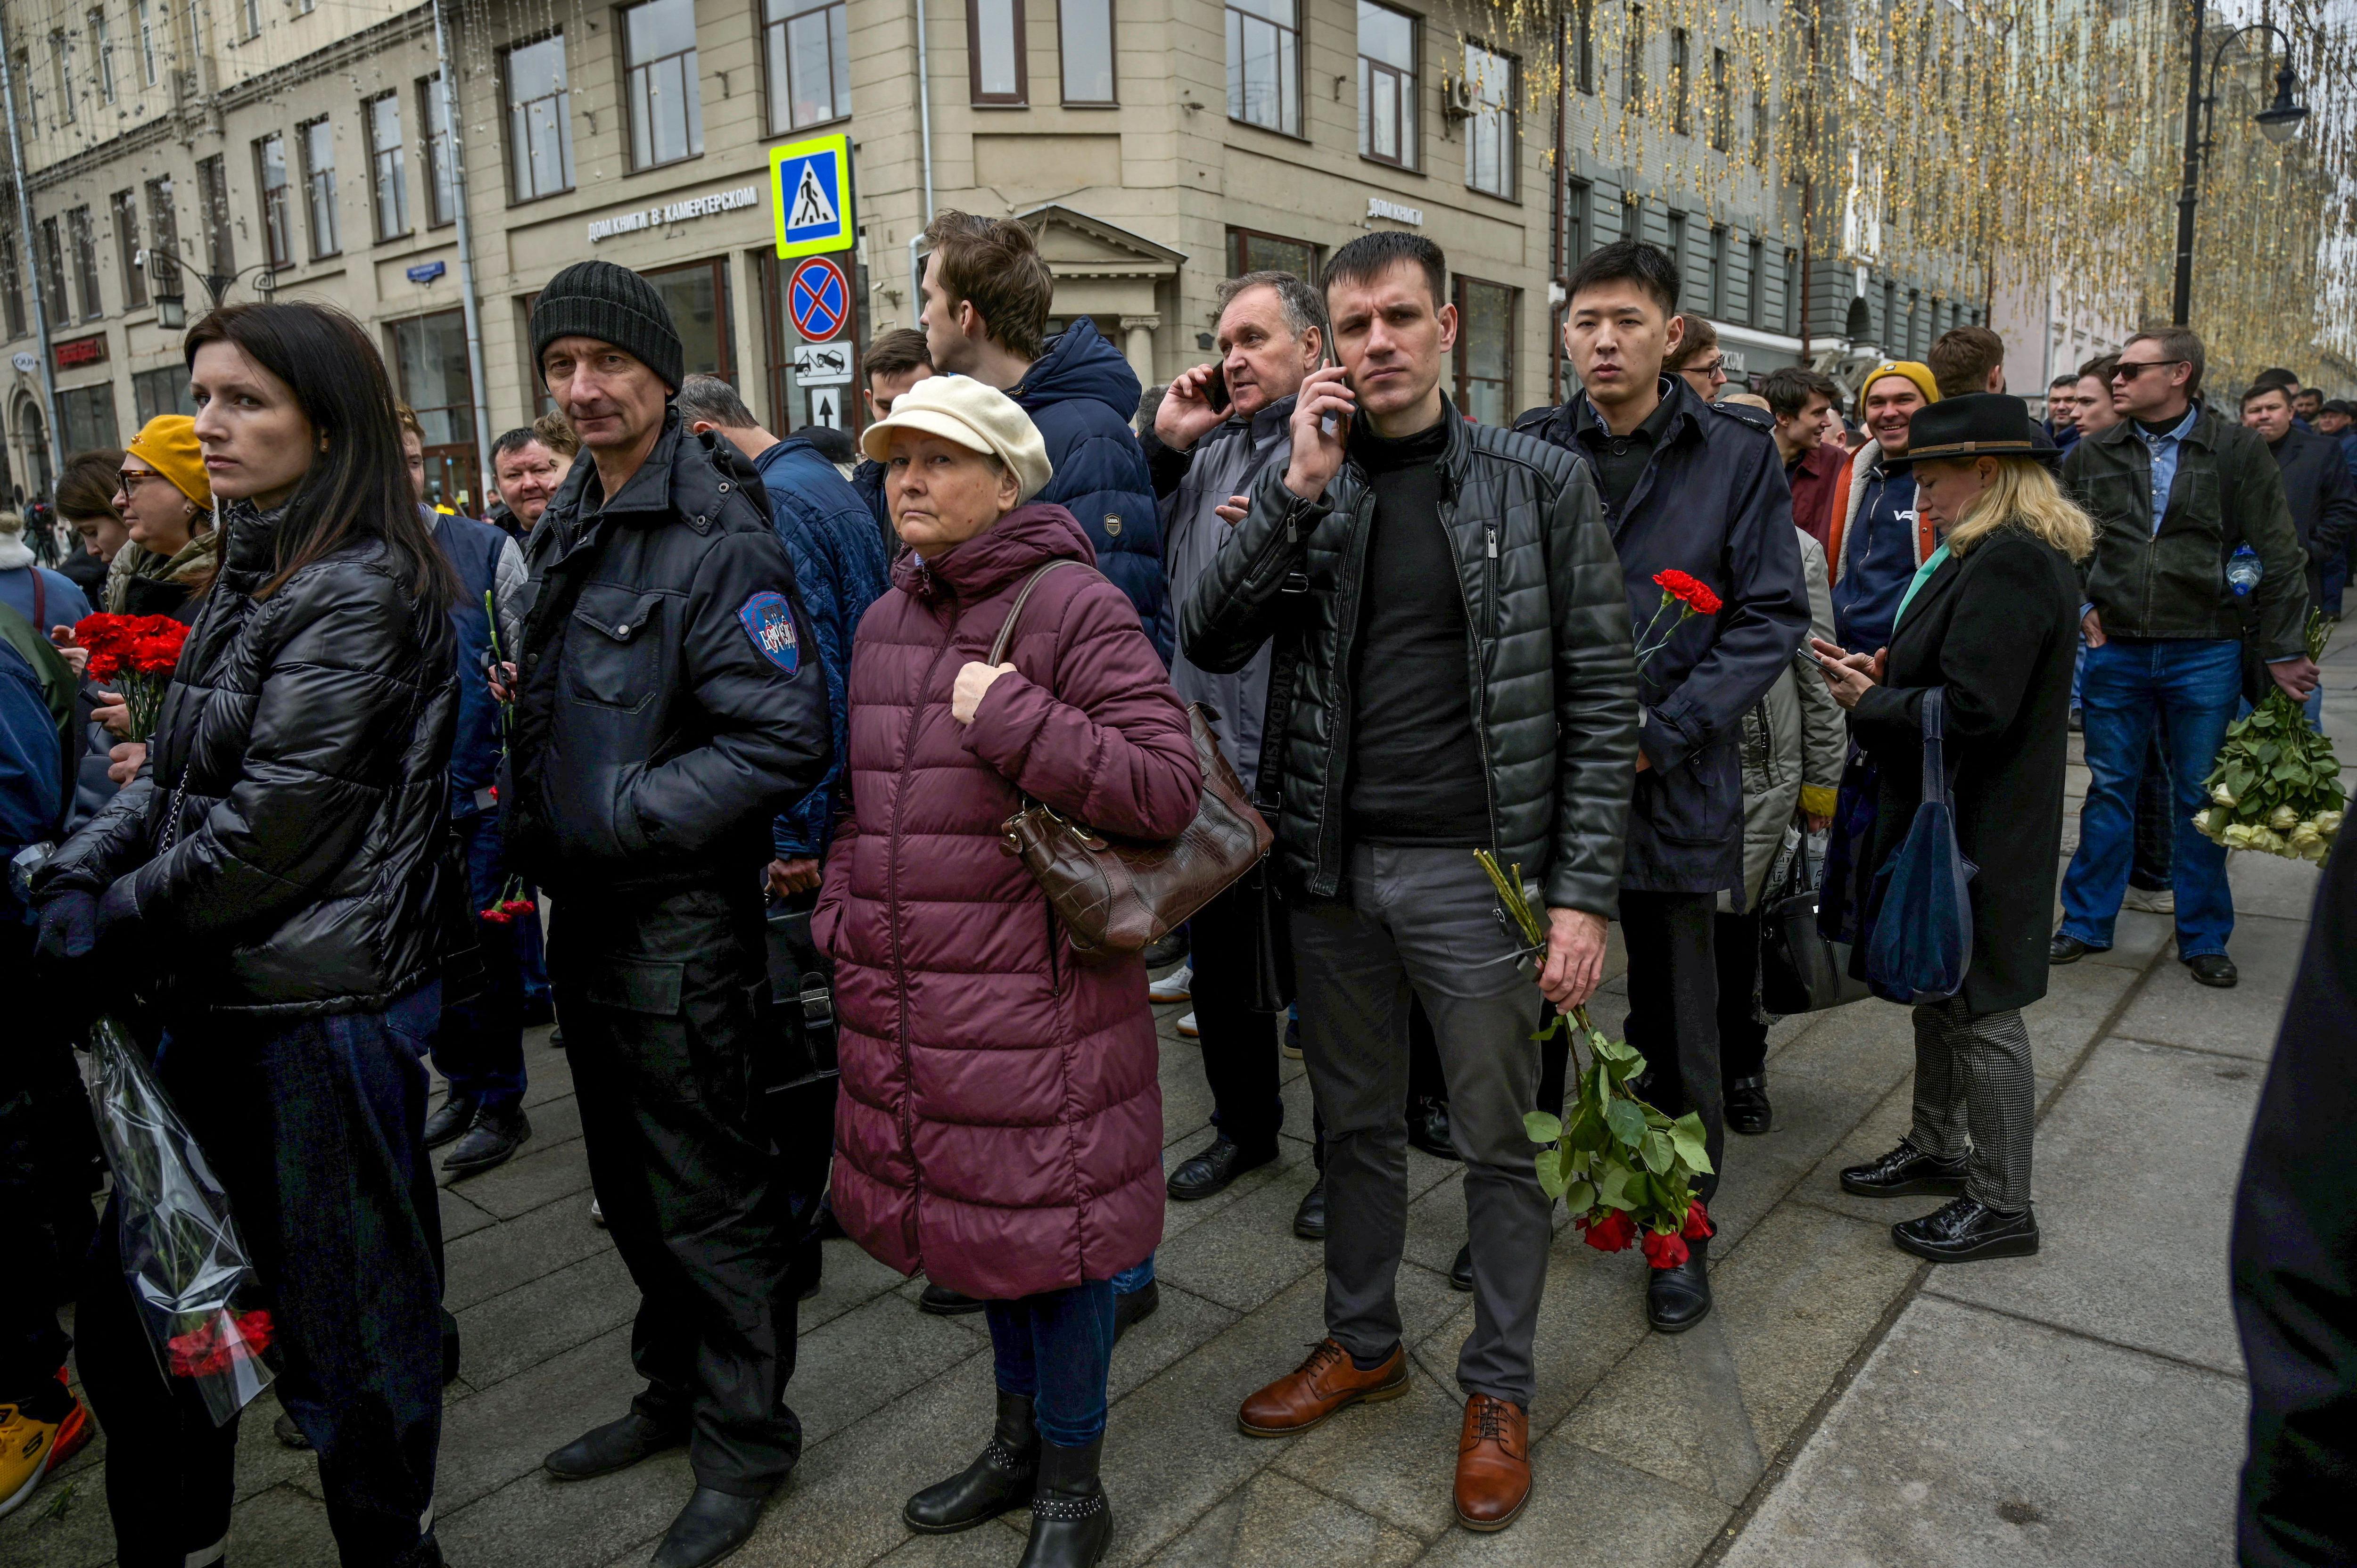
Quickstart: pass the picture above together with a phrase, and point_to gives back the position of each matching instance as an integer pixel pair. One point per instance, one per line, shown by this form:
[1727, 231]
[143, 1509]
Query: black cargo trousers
[665, 1002]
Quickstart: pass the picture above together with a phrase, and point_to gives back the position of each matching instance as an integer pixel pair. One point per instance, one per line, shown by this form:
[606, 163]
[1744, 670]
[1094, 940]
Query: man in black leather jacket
[1452, 655]
[668, 707]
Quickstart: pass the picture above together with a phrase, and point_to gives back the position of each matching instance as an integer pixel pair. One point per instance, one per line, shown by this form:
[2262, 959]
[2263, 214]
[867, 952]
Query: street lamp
[166, 285]
[2279, 122]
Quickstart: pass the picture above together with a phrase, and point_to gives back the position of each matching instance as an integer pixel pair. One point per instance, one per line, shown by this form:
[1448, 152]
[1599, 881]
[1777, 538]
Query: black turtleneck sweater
[1415, 761]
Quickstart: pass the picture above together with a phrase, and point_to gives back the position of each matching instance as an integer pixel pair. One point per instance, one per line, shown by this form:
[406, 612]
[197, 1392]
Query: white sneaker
[1176, 986]
[2161, 903]
[1186, 1030]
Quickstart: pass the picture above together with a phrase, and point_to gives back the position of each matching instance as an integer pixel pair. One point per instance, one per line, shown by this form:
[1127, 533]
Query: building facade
[1157, 147]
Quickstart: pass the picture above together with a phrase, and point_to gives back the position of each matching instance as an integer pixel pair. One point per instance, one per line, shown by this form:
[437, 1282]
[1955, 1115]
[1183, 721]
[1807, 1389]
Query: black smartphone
[1215, 391]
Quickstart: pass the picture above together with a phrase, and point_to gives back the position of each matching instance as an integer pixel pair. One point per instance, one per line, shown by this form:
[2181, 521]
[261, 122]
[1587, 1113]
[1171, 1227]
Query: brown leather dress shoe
[1318, 1388]
[1493, 1464]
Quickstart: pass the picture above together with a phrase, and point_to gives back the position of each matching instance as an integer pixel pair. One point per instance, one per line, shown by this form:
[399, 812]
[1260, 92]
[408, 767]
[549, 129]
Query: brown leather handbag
[1115, 895]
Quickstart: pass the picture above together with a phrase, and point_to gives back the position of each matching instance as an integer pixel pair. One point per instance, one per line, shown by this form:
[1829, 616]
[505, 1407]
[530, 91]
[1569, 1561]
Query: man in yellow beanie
[1878, 539]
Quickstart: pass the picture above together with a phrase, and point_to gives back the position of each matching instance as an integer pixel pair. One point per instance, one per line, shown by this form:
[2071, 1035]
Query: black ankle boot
[1071, 1521]
[1001, 1479]
[1677, 1299]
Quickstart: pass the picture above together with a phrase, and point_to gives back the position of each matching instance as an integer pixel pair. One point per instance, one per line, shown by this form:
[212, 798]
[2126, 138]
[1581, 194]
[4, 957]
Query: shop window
[124, 208]
[84, 239]
[1085, 42]
[1492, 146]
[1485, 351]
[1386, 85]
[317, 139]
[997, 66]
[1251, 251]
[1265, 64]
[270, 175]
[388, 165]
[431, 368]
[212, 196]
[86, 418]
[666, 103]
[540, 120]
[155, 392]
[441, 175]
[809, 63]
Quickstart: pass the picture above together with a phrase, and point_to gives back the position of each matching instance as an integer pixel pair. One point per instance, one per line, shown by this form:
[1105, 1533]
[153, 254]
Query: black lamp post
[2279, 122]
[166, 284]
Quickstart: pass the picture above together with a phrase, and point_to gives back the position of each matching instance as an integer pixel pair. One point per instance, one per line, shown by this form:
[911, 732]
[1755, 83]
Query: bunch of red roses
[220, 1340]
[133, 655]
[1690, 593]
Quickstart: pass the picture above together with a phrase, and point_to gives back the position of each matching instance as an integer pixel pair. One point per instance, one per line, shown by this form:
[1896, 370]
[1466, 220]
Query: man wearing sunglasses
[2180, 493]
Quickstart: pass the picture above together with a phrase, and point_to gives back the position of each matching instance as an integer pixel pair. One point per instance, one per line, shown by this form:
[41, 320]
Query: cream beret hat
[974, 416]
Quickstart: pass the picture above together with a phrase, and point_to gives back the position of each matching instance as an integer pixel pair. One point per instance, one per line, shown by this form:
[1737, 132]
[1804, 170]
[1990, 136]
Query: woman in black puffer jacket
[279, 878]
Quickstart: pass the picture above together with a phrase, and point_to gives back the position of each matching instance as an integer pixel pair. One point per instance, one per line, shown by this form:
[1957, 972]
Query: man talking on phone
[1453, 609]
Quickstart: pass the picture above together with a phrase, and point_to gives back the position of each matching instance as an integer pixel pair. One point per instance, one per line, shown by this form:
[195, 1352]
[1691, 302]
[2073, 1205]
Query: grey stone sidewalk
[1843, 1405]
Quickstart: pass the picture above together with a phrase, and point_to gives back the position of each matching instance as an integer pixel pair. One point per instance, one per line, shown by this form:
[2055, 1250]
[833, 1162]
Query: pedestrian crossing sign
[810, 184]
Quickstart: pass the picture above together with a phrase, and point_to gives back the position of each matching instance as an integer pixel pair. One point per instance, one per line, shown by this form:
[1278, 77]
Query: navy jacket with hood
[1083, 394]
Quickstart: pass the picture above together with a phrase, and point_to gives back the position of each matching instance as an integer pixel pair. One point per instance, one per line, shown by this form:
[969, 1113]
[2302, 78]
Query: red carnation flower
[1688, 590]
[494, 917]
[1610, 1234]
[1664, 1250]
[516, 907]
[1698, 1227]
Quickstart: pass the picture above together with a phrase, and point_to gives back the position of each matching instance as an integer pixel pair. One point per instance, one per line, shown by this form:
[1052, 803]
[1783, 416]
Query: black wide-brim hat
[1978, 425]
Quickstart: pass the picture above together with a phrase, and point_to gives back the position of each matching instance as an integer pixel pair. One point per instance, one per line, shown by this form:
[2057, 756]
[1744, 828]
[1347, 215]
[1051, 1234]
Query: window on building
[28, 97]
[667, 101]
[86, 416]
[102, 53]
[997, 67]
[155, 392]
[1722, 102]
[1677, 243]
[61, 52]
[12, 285]
[809, 62]
[53, 274]
[1584, 46]
[144, 13]
[1252, 252]
[1793, 284]
[1633, 62]
[124, 208]
[1759, 118]
[1681, 85]
[212, 204]
[1085, 39]
[388, 165]
[540, 120]
[1578, 223]
[441, 177]
[250, 11]
[163, 220]
[1755, 310]
[1716, 290]
[1890, 339]
[1492, 146]
[432, 373]
[697, 296]
[1386, 84]
[1265, 64]
[270, 179]
[83, 236]
[317, 138]
[1485, 351]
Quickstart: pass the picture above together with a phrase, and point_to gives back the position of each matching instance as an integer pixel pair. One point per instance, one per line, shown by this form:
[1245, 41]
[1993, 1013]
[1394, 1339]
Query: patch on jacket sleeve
[769, 620]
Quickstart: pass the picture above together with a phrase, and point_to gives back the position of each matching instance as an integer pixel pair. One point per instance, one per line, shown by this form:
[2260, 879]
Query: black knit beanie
[613, 304]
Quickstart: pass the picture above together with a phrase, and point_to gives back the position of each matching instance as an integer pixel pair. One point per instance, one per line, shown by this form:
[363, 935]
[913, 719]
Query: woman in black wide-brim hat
[1993, 618]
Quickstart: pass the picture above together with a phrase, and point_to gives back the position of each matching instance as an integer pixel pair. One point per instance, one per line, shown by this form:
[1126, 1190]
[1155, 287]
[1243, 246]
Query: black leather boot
[1460, 1271]
[1001, 1479]
[1677, 1299]
[1748, 1110]
[450, 1119]
[491, 1141]
[1309, 1219]
[1072, 1523]
[712, 1525]
[617, 1445]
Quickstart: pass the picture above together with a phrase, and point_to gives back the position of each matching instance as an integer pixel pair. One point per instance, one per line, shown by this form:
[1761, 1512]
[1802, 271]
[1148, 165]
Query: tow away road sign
[810, 185]
[822, 364]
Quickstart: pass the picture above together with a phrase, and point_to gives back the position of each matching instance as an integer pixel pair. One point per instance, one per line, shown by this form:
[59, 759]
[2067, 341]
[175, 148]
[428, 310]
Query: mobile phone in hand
[1215, 391]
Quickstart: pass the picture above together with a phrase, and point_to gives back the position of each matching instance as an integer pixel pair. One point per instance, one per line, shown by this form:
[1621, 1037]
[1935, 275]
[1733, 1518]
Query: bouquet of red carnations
[133, 655]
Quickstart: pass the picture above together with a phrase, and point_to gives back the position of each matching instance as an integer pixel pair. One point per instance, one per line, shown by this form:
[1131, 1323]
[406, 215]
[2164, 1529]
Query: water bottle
[2242, 571]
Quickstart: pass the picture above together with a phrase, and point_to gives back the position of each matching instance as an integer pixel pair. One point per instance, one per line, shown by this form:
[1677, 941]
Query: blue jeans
[2193, 687]
[314, 1126]
[479, 1046]
[1057, 1348]
[1134, 1278]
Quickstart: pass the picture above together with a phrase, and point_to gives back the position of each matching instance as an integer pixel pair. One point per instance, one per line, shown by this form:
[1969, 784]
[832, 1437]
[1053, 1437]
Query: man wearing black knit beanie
[667, 707]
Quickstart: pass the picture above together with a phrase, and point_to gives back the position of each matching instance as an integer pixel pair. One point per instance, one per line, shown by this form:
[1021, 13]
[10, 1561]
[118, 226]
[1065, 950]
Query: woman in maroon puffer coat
[1000, 1124]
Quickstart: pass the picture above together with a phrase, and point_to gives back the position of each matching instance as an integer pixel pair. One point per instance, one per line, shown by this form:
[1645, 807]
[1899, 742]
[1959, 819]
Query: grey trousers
[1976, 1099]
[1424, 921]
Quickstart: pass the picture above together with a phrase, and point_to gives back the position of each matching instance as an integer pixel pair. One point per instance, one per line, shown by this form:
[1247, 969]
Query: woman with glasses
[167, 506]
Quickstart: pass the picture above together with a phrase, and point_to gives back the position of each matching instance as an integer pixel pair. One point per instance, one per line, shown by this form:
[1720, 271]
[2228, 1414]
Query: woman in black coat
[279, 878]
[1991, 618]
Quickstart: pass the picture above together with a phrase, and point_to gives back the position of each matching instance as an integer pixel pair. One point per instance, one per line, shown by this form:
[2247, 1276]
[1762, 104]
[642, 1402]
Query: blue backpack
[1922, 941]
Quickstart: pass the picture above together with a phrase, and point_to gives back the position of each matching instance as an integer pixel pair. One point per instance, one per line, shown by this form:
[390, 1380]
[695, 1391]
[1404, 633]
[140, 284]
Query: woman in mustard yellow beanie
[168, 506]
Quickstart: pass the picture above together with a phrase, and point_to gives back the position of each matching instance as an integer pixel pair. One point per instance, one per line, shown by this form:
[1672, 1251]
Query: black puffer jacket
[288, 842]
[671, 702]
[1554, 685]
